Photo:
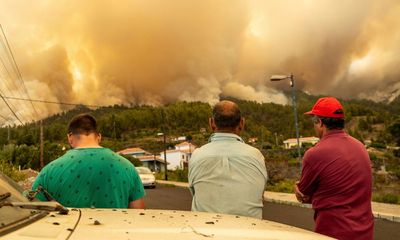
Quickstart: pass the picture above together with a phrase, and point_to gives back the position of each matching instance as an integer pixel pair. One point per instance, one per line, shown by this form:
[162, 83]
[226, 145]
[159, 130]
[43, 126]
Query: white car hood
[155, 224]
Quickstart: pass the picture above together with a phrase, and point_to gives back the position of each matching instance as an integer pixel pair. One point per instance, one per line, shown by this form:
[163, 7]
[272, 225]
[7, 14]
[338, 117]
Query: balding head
[227, 116]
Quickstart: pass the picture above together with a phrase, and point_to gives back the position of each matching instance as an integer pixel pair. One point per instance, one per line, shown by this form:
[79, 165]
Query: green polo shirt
[91, 177]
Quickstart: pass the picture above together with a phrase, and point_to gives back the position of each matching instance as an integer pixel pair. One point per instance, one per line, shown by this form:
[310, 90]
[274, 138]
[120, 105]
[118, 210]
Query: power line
[6, 82]
[1, 116]
[8, 86]
[11, 109]
[18, 71]
[50, 102]
[12, 70]
[8, 57]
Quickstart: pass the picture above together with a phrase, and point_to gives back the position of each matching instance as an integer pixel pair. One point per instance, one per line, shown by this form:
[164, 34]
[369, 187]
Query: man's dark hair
[226, 117]
[332, 123]
[82, 124]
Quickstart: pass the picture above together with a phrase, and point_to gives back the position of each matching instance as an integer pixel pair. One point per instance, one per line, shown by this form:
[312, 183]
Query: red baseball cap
[327, 107]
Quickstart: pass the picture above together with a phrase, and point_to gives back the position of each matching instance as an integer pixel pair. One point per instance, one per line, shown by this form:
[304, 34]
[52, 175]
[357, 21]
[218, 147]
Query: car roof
[157, 224]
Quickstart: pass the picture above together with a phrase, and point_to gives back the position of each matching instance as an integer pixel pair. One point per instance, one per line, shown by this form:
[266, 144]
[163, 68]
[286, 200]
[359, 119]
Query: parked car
[147, 177]
[21, 219]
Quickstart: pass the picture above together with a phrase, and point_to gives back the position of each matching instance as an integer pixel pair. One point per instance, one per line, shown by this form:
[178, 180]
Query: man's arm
[304, 189]
[40, 181]
[138, 204]
[300, 196]
[136, 193]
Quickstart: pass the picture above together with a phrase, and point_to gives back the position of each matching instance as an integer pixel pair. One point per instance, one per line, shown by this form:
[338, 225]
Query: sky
[155, 51]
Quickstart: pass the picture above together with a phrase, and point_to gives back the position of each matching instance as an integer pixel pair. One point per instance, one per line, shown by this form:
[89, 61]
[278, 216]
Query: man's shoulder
[57, 161]
[237, 147]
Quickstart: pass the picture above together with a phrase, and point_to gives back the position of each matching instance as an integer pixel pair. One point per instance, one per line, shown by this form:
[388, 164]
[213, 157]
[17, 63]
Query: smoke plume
[153, 52]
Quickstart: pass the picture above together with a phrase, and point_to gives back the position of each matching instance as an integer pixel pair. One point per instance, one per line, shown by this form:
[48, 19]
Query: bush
[286, 186]
[11, 171]
[396, 153]
[387, 198]
[395, 170]
[179, 175]
[378, 145]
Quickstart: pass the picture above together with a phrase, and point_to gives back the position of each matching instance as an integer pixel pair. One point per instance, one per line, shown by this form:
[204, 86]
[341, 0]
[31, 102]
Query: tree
[363, 125]
[394, 130]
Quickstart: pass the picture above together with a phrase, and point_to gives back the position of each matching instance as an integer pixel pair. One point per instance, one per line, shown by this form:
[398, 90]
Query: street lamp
[275, 78]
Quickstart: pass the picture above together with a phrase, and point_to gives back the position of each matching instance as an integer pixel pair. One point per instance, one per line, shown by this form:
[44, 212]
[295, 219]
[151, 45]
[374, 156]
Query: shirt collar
[224, 137]
[334, 132]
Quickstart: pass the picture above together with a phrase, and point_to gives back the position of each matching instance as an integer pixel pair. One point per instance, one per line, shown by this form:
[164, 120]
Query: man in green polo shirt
[89, 175]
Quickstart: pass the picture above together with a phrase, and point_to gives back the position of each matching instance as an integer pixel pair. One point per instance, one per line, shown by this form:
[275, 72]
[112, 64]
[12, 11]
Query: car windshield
[143, 170]
[11, 216]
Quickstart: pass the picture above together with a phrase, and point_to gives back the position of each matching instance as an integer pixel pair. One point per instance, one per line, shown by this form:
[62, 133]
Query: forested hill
[123, 126]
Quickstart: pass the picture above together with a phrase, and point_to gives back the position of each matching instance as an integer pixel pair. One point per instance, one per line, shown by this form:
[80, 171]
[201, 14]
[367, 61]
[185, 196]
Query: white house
[292, 142]
[154, 163]
[185, 146]
[179, 157]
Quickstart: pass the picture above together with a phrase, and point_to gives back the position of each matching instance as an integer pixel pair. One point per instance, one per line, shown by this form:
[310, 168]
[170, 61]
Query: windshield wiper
[32, 194]
[46, 206]
[4, 196]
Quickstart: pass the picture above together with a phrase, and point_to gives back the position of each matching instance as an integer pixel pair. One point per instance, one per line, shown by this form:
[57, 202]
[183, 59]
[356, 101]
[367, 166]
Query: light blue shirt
[227, 176]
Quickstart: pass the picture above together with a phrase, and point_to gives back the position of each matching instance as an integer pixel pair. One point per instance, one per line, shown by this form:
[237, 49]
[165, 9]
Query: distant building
[154, 163]
[179, 157]
[181, 138]
[252, 140]
[292, 142]
[185, 146]
[134, 152]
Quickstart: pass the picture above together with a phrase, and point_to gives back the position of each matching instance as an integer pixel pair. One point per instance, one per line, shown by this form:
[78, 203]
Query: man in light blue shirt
[226, 175]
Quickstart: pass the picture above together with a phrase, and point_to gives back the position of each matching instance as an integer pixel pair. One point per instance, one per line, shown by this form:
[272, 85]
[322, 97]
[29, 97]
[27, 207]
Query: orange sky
[151, 52]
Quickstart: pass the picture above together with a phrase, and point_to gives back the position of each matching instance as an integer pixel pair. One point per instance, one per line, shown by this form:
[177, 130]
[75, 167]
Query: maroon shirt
[337, 176]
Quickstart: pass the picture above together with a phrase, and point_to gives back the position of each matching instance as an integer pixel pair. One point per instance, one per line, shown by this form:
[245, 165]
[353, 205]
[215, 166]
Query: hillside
[377, 124]
[270, 123]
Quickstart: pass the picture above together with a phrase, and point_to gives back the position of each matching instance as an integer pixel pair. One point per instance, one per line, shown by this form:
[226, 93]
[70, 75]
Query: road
[177, 198]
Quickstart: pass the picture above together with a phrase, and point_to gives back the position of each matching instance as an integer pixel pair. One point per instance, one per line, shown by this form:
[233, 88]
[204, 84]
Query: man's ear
[99, 138]
[321, 124]
[70, 139]
[211, 123]
[242, 123]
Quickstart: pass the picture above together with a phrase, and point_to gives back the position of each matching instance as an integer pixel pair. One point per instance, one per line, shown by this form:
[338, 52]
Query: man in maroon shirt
[336, 177]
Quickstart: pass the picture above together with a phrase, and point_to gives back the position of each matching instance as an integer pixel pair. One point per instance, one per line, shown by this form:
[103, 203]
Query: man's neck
[226, 131]
[329, 131]
[87, 143]
[87, 146]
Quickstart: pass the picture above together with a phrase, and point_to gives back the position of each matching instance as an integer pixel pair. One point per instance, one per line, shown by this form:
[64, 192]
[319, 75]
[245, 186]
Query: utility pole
[114, 135]
[165, 144]
[41, 145]
[8, 134]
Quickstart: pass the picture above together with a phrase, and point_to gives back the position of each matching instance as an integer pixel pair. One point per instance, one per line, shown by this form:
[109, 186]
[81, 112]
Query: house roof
[302, 139]
[150, 158]
[185, 143]
[132, 151]
[177, 150]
